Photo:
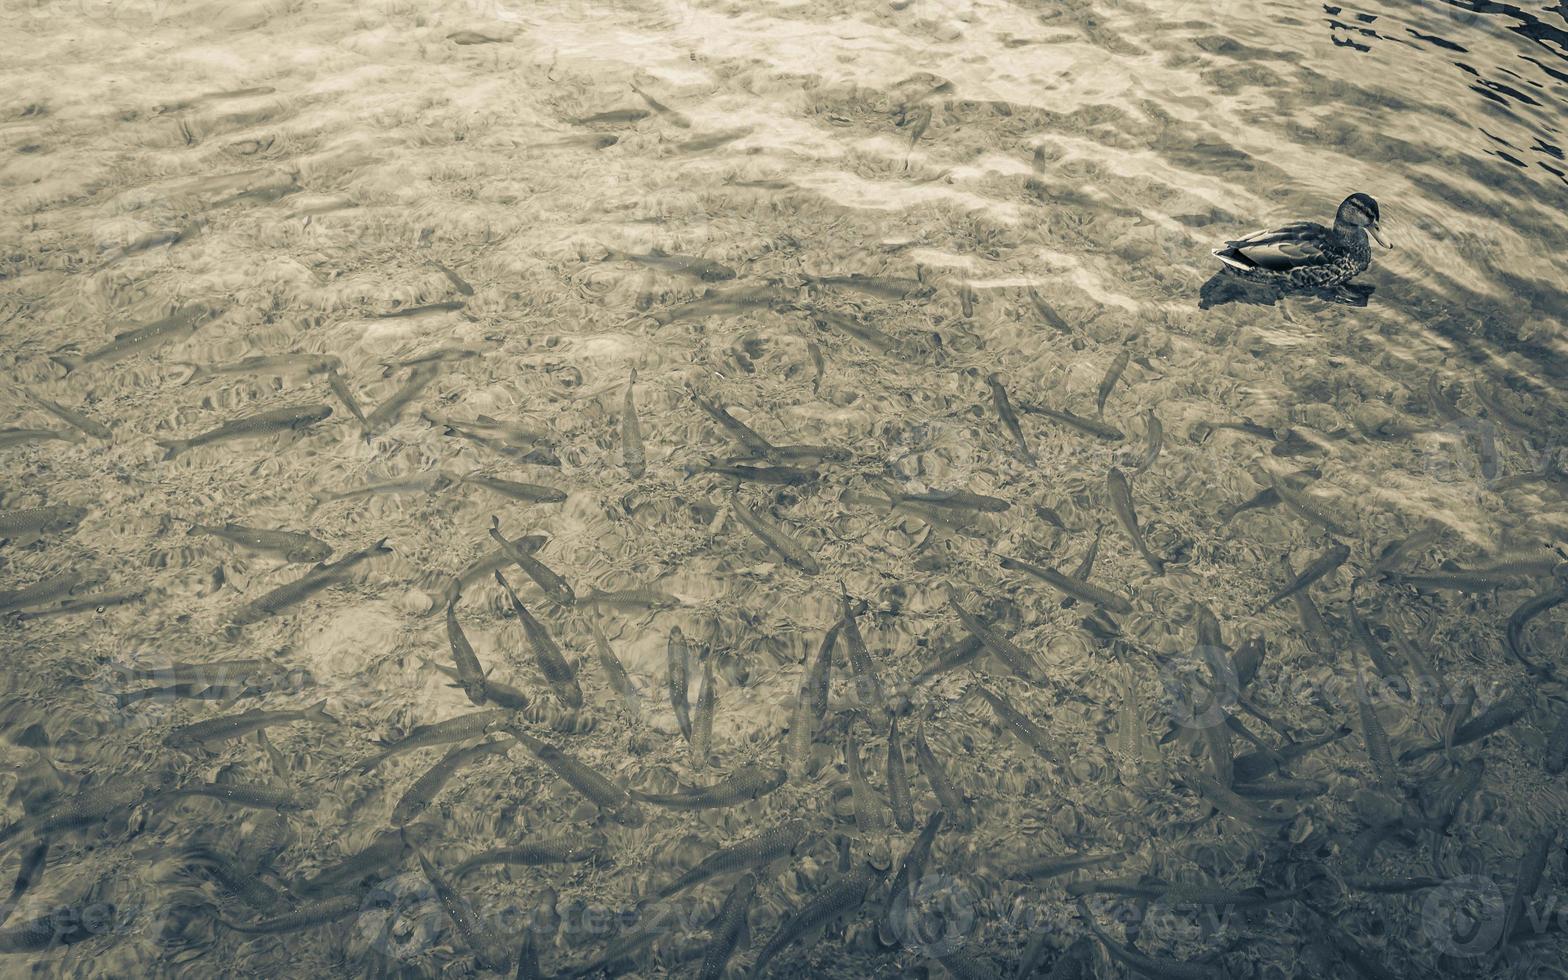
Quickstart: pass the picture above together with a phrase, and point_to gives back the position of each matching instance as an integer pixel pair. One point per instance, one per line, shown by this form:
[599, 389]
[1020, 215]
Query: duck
[1304, 255]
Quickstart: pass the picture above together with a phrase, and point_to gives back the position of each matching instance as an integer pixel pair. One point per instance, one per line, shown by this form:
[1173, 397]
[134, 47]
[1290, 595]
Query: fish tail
[69, 363]
[173, 447]
[318, 712]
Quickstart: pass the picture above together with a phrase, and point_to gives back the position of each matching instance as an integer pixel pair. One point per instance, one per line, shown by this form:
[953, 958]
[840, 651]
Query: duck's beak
[1378, 235]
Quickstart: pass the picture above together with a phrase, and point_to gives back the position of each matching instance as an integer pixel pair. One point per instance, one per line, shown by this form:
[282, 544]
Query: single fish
[72, 417]
[784, 476]
[702, 720]
[911, 871]
[470, 674]
[674, 116]
[488, 430]
[1376, 739]
[870, 811]
[537, 854]
[1149, 966]
[1495, 718]
[814, 351]
[473, 37]
[1156, 435]
[951, 657]
[1247, 659]
[1457, 714]
[528, 493]
[1013, 719]
[1462, 580]
[448, 306]
[415, 483]
[885, 287]
[1314, 630]
[746, 783]
[386, 850]
[1556, 755]
[229, 875]
[898, 794]
[743, 433]
[1532, 865]
[28, 871]
[1004, 410]
[686, 265]
[1017, 659]
[1113, 374]
[777, 541]
[552, 584]
[863, 332]
[1263, 498]
[313, 581]
[1050, 316]
[677, 659]
[178, 325]
[598, 790]
[84, 807]
[244, 795]
[632, 454]
[457, 281]
[1370, 643]
[483, 567]
[23, 437]
[202, 692]
[1396, 553]
[1316, 569]
[613, 117]
[387, 412]
[280, 365]
[1086, 565]
[615, 671]
[474, 930]
[1121, 505]
[306, 917]
[417, 799]
[1071, 586]
[799, 759]
[955, 499]
[290, 419]
[292, 546]
[637, 598]
[40, 520]
[224, 672]
[730, 301]
[1094, 427]
[498, 693]
[63, 926]
[868, 685]
[431, 359]
[42, 591]
[953, 803]
[730, 928]
[1298, 502]
[819, 675]
[838, 898]
[459, 729]
[1055, 865]
[202, 733]
[552, 664]
[752, 852]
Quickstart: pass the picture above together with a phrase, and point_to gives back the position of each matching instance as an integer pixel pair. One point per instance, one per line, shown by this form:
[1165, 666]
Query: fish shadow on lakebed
[1222, 288]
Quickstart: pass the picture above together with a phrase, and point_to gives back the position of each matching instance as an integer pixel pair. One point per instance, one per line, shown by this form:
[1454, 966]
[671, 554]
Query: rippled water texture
[476, 222]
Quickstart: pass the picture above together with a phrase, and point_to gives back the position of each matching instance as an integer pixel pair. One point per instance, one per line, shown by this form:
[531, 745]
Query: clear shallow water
[301, 170]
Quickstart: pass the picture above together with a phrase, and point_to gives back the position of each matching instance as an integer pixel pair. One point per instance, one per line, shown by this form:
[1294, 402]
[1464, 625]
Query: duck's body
[1305, 255]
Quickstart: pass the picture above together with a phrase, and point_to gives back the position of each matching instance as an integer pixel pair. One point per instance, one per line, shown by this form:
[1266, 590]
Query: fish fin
[69, 363]
[318, 712]
[172, 447]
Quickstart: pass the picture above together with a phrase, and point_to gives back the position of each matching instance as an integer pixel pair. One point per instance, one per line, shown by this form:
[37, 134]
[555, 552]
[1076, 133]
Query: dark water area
[700, 489]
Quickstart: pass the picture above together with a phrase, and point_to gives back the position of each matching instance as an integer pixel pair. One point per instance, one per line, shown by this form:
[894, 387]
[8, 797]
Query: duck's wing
[1278, 249]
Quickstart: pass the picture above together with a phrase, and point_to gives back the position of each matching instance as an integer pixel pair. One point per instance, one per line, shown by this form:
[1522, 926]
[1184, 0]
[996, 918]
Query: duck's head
[1360, 211]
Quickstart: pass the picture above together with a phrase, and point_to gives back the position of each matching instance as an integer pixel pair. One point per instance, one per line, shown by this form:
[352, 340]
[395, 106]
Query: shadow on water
[1223, 288]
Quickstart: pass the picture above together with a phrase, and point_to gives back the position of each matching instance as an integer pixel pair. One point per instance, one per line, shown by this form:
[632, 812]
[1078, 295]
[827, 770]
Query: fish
[746, 783]
[319, 577]
[291, 546]
[1014, 720]
[1101, 430]
[702, 144]
[23, 437]
[685, 265]
[1180, 894]
[954, 805]
[951, 657]
[498, 693]
[815, 352]
[870, 811]
[1121, 505]
[1314, 630]
[473, 37]
[675, 117]
[204, 692]
[818, 677]
[474, 930]
[632, 454]
[470, 674]
[613, 117]
[730, 928]
[1255, 765]
[1556, 754]
[482, 567]
[1298, 503]
[954, 499]
[42, 591]
[600, 791]
[1086, 591]
[1017, 659]
[536, 854]
[387, 412]
[245, 795]
[73, 418]
[777, 541]
[1316, 569]
[1055, 865]
[743, 433]
[1086, 565]
[837, 898]
[884, 287]
[302, 917]
[1049, 315]
[1376, 740]
[387, 849]
[1004, 411]
[1495, 718]
[1113, 374]
[280, 365]
[1263, 498]
[528, 958]
[1370, 643]
[1156, 435]
[911, 871]
[85, 807]
[1397, 552]
[457, 281]
[178, 325]
[447, 306]
[807, 455]
[615, 672]
[1441, 403]
[730, 301]
[1247, 659]
[799, 759]
[1392, 886]
[553, 585]
[677, 659]
[202, 733]
[228, 874]
[1497, 408]
[702, 720]
[898, 794]
[868, 685]
[751, 852]
[459, 729]
[638, 598]
[40, 520]
[529, 493]
[484, 427]
[1457, 714]
[223, 672]
[418, 797]
[856, 330]
[560, 675]
[784, 476]
[416, 483]
[1465, 580]
[28, 871]
[1532, 864]
[288, 419]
